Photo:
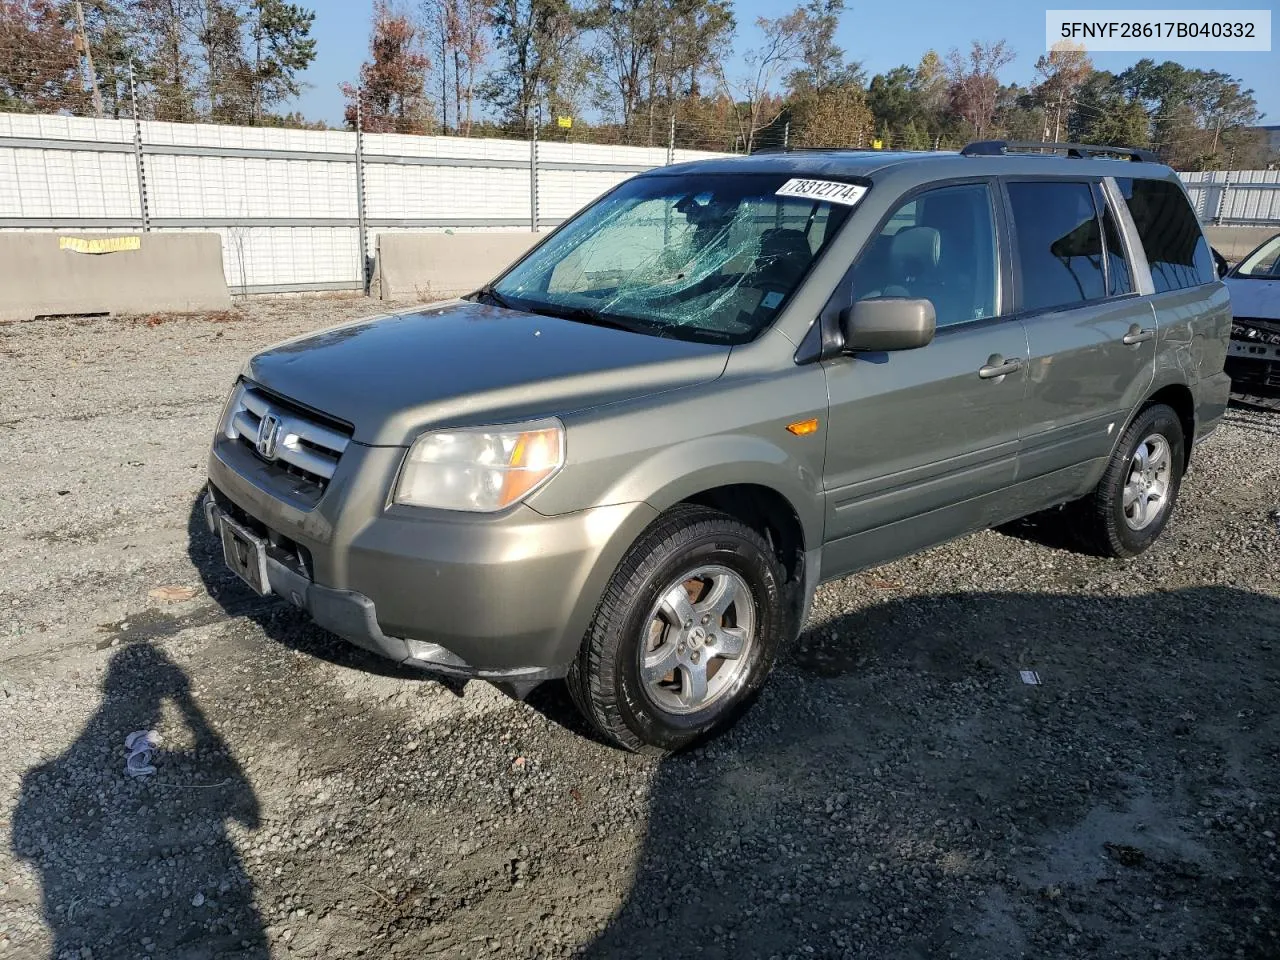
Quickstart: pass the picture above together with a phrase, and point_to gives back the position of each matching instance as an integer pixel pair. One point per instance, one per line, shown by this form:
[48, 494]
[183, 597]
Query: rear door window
[1058, 241]
[1170, 233]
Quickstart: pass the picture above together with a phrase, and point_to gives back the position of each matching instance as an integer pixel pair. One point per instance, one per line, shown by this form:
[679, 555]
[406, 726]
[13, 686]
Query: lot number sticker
[829, 190]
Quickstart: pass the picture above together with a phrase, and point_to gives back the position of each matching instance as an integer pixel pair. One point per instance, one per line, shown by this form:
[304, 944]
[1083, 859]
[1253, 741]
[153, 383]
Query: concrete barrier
[43, 274]
[1234, 242]
[430, 266]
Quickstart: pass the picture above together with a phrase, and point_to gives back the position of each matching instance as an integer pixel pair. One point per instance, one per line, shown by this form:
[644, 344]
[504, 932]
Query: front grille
[1252, 330]
[298, 442]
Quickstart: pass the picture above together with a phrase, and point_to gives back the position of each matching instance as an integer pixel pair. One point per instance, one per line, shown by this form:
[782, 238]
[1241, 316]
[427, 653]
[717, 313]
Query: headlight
[234, 404]
[480, 469]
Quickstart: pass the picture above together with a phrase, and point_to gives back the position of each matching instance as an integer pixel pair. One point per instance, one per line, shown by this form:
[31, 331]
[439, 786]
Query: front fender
[660, 451]
[685, 470]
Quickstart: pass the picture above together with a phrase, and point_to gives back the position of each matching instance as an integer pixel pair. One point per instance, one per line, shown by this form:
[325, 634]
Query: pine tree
[166, 32]
[280, 48]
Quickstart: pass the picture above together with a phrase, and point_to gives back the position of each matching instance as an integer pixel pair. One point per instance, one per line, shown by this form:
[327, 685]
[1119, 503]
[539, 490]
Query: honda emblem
[268, 436]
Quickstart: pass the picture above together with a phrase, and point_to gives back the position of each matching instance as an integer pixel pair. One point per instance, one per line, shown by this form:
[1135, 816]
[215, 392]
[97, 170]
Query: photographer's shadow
[142, 867]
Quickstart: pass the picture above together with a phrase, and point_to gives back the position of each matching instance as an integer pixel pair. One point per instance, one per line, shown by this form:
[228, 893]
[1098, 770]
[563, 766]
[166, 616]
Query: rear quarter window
[1170, 233]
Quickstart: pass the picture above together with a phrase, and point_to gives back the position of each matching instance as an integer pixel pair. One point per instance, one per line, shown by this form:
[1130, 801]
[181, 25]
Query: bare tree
[753, 96]
[975, 82]
[435, 32]
[470, 28]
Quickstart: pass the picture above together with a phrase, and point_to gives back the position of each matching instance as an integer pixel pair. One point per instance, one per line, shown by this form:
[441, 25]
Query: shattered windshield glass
[709, 257]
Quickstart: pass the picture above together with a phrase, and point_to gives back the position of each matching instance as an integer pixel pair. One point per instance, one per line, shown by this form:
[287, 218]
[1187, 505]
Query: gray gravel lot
[897, 791]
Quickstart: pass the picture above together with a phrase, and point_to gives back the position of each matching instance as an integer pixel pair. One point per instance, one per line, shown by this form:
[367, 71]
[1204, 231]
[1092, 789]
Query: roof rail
[789, 149]
[1078, 151]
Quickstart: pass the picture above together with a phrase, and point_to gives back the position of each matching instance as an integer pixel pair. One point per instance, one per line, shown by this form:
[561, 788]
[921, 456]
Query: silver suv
[631, 458]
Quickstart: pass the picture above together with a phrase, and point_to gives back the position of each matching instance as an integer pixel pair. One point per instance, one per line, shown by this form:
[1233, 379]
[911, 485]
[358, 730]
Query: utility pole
[82, 41]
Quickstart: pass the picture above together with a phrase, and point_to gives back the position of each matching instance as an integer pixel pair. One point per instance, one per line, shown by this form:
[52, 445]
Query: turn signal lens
[802, 428]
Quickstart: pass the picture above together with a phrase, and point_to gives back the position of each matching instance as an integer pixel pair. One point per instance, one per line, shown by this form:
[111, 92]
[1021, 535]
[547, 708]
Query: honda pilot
[631, 458]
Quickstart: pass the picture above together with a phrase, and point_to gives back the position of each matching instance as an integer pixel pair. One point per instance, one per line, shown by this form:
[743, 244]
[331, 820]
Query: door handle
[1137, 334]
[996, 368]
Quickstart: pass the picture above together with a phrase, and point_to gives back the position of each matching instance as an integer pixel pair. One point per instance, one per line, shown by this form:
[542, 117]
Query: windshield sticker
[771, 299]
[829, 190]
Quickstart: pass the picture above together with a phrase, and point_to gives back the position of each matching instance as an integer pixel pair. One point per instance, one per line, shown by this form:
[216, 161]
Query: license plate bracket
[245, 554]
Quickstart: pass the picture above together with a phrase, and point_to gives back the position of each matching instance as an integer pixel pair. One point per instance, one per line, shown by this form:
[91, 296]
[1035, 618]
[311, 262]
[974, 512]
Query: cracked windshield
[710, 258]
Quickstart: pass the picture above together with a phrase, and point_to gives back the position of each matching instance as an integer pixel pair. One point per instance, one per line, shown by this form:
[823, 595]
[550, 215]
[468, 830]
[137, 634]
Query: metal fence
[1236, 197]
[302, 209]
[296, 209]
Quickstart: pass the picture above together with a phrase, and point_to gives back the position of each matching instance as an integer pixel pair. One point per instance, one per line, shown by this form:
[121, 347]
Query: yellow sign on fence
[564, 122]
[99, 245]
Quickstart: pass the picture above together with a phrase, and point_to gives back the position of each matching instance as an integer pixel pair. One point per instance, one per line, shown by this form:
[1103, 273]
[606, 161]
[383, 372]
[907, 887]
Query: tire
[705, 557]
[1111, 521]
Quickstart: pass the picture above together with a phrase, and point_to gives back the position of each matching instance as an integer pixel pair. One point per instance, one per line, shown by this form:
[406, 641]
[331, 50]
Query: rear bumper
[506, 597]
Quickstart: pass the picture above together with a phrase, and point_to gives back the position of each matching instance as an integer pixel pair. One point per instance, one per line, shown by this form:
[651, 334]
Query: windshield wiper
[497, 299]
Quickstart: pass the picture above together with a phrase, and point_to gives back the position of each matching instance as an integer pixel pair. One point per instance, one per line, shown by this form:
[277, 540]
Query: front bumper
[1253, 365]
[500, 597]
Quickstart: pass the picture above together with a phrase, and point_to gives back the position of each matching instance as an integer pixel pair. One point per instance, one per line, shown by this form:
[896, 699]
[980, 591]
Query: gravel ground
[896, 792]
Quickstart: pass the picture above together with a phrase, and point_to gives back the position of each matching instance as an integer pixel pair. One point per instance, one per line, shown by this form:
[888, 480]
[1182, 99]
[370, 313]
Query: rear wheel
[1132, 503]
[685, 634]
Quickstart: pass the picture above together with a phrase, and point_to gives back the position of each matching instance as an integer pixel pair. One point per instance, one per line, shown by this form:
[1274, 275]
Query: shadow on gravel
[278, 619]
[1048, 529]
[900, 792]
[107, 847]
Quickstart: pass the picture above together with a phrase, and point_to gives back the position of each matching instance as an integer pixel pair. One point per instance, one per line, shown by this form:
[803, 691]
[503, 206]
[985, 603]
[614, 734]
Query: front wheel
[685, 634]
[1132, 503]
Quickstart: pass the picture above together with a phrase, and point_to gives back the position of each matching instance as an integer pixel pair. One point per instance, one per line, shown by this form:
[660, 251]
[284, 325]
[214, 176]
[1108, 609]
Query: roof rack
[1078, 151]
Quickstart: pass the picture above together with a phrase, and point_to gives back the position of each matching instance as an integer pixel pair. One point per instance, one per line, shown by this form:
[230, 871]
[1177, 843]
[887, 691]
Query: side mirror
[1223, 267]
[887, 323]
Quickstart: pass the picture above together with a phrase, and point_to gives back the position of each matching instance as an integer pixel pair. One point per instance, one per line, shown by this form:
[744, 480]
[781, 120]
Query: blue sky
[880, 34]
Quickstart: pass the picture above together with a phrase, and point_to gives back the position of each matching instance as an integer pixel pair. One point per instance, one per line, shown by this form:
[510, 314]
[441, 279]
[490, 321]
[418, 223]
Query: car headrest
[914, 249]
[785, 243]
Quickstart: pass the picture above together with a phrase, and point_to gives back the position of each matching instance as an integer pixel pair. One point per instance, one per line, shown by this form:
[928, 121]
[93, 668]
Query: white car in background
[1253, 356]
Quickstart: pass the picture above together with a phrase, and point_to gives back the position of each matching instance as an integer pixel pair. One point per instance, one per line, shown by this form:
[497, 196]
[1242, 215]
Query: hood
[464, 363]
[1253, 297]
